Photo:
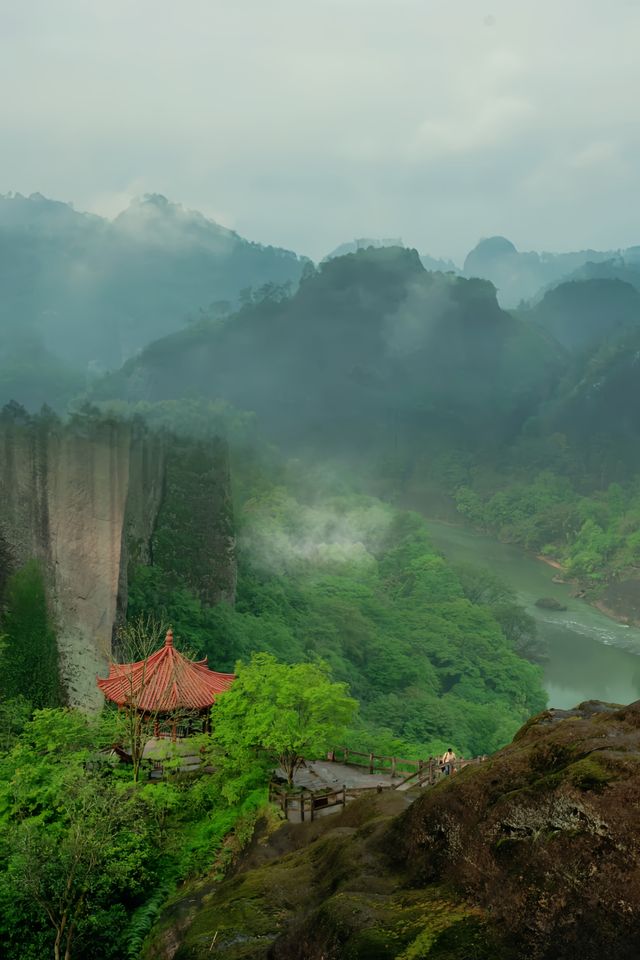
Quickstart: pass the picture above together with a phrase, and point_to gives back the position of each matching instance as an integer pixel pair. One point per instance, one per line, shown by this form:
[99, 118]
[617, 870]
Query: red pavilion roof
[164, 681]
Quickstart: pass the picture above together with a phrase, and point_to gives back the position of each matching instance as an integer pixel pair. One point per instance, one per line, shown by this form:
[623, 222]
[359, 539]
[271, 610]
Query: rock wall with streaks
[84, 499]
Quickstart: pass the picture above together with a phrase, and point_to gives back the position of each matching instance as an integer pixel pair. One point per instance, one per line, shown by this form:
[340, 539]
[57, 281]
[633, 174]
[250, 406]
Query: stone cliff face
[84, 499]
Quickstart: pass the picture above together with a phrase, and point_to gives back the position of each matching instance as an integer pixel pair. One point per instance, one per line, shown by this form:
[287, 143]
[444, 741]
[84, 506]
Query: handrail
[434, 770]
[432, 764]
[380, 762]
[412, 776]
[306, 799]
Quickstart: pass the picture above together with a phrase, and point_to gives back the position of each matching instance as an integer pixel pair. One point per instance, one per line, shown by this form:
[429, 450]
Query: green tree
[76, 844]
[63, 867]
[481, 585]
[29, 656]
[136, 641]
[278, 713]
[520, 629]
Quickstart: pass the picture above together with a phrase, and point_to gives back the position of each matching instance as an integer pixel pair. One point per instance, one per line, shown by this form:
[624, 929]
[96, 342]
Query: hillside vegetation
[81, 294]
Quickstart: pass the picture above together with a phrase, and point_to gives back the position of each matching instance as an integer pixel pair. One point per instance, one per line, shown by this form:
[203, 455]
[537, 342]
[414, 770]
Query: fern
[144, 918]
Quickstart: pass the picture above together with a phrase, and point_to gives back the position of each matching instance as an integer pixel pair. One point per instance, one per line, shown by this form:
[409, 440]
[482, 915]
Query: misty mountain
[520, 276]
[92, 292]
[597, 409]
[625, 268]
[363, 243]
[371, 351]
[583, 314]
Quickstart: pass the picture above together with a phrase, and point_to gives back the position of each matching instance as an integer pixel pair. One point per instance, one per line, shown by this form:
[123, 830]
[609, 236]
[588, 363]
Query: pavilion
[166, 686]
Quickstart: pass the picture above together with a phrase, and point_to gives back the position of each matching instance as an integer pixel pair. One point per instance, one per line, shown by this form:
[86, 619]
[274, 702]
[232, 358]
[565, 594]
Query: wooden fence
[376, 763]
[420, 771]
[301, 805]
[304, 804]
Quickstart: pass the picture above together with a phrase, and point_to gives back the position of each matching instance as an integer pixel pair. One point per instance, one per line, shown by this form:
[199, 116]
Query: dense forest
[420, 382]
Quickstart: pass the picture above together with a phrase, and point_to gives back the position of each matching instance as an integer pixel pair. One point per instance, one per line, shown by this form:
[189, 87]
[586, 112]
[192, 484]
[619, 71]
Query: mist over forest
[319, 481]
[286, 431]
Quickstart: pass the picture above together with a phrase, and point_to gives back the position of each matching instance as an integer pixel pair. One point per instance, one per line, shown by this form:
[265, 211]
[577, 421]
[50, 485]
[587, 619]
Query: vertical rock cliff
[85, 499]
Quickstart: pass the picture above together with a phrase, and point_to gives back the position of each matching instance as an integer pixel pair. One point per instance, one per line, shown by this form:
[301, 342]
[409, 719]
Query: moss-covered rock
[333, 897]
[542, 837]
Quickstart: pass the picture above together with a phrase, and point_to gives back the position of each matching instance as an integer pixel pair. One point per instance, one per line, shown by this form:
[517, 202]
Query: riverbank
[549, 561]
[621, 602]
[592, 654]
[621, 616]
[608, 612]
[618, 601]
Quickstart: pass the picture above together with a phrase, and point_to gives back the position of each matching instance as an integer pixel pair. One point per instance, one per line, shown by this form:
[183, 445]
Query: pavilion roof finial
[164, 681]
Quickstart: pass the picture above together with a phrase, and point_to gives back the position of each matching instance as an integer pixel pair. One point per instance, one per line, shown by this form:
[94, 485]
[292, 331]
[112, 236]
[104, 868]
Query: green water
[590, 656]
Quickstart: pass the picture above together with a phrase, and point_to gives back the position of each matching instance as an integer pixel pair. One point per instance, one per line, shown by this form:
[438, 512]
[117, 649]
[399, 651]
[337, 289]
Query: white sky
[305, 123]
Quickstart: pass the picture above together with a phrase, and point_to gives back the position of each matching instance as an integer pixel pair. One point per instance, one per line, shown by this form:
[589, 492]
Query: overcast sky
[305, 123]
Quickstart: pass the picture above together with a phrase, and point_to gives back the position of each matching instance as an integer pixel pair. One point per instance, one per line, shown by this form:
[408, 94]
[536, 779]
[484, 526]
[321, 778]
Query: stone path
[317, 774]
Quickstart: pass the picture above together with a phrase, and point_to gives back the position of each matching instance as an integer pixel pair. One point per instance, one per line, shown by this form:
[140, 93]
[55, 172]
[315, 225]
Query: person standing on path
[447, 761]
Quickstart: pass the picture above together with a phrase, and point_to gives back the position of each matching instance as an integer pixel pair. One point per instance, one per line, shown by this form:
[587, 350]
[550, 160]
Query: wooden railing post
[311, 806]
[346, 754]
[393, 767]
[370, 763]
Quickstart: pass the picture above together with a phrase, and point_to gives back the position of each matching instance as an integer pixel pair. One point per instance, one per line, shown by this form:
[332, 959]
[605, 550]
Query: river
[590, 655]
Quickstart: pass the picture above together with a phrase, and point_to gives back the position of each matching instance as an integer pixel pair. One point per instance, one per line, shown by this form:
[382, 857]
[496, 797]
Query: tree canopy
[280, 713]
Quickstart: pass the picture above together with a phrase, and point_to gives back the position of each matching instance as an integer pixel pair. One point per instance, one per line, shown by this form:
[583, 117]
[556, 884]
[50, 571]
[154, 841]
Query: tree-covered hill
[434, 392]
[521, 275]
[599, 411]
[625, 267]
[362, 243]
[372, 351]
[91, 292]
[582, 314]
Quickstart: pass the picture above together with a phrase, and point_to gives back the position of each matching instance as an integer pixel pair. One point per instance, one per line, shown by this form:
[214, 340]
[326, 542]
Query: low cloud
[280, 535]
[412, 325]
[353, 117]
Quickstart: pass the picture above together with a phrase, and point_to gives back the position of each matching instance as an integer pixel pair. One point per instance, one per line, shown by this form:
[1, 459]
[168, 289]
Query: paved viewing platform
[321, 787]
[316, 774]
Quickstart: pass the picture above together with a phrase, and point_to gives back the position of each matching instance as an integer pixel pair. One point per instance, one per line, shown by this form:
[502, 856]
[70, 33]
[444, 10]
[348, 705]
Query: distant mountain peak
[364, 243]
[157, 199]
[19, 211]
[156, 220]
[490, 247]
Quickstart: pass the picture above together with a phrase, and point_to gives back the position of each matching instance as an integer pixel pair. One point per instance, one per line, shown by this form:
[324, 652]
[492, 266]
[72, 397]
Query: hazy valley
[229, 439]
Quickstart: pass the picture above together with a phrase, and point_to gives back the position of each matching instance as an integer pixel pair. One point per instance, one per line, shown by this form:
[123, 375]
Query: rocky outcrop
[84, 499]
[533, 855]
[550, 603]
[543, 838]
